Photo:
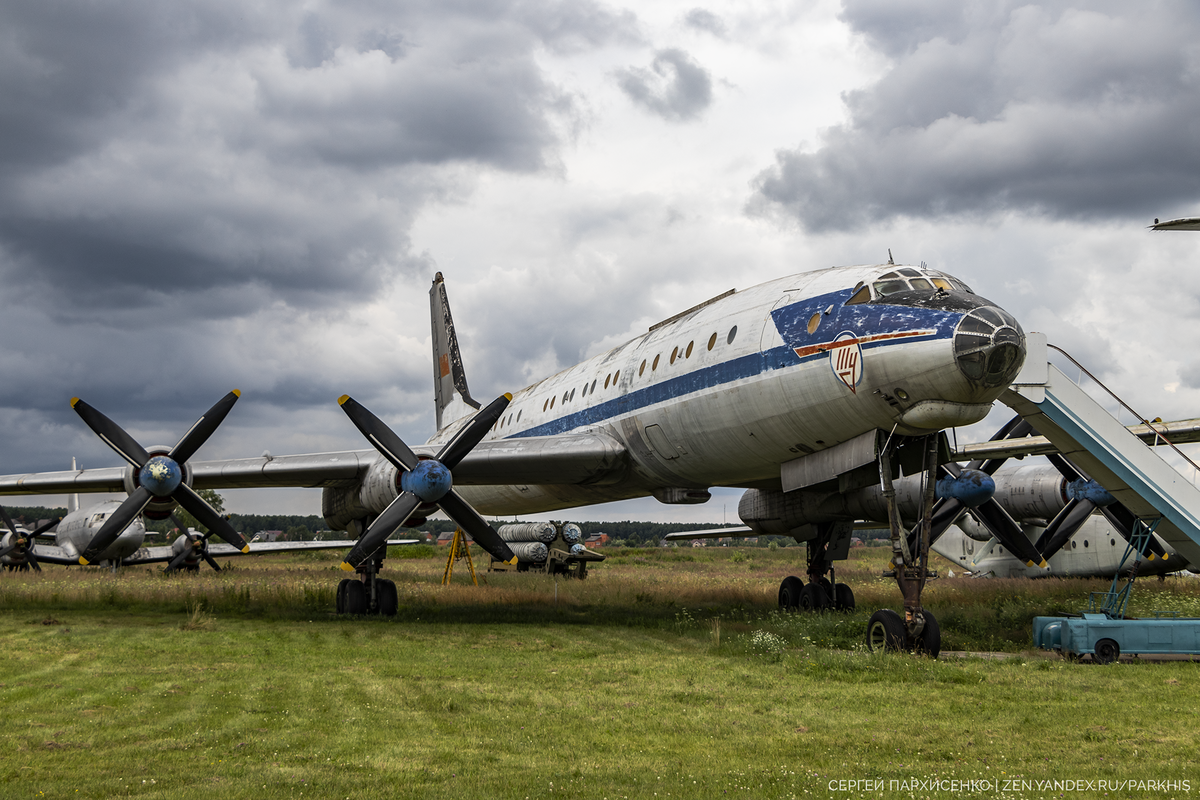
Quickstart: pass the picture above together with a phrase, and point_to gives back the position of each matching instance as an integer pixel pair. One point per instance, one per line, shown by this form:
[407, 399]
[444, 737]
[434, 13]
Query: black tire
[1107, 651]
[843, 597]
[355, 600]
[789, 593]
[813, 598]
[885, 631]
[930, 641]
[341, 595]
[388, 602]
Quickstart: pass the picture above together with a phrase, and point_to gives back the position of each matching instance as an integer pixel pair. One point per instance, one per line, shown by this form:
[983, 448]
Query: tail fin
[448, 374]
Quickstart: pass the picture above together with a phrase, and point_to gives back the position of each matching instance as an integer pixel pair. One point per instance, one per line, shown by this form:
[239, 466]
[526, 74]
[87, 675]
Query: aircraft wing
[1184, 431]
[740, 532]
[1184, 224]
[51, 554]
[543, 460]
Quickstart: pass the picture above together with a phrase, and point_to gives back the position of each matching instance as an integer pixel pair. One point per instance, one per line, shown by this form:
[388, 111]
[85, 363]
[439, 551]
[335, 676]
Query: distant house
[699, 543]
[596, 540]
[267, 536]
[445, 538]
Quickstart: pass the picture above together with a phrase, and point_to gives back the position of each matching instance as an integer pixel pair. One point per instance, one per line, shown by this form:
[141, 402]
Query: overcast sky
[256, 195]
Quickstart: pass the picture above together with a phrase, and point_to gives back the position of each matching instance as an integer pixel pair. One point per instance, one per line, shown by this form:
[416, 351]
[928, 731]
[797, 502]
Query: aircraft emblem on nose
[845, 358]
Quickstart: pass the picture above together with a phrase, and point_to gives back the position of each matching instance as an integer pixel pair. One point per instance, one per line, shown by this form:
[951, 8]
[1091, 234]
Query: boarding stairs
[1096, 442]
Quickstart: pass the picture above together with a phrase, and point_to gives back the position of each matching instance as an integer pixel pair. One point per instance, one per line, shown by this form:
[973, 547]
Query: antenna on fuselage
[893, 263]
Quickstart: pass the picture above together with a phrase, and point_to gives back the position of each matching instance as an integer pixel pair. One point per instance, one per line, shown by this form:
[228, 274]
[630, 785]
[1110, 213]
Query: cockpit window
[863, 295]
[907, 279]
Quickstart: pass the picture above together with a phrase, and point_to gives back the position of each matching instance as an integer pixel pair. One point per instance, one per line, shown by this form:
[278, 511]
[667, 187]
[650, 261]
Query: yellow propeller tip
[513, 562]
[347, 566]
[1043, 565]
[1166, 556]
[83, 561]
[74, 400]
[342, 400]
[508, 396]
[246, 549]
[236, 392]
[1151, 558]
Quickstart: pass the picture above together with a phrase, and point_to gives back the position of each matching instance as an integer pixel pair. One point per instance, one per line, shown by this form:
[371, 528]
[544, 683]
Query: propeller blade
[474, 525]
[11, 547]
[207, 516]
[466, 439]
[211, 561]
[126, 513]
[45, 526]
[181, 556]
[1063, 526]
[392, 517]
[1124, 520]
[1009, 534]
[379, 434]
[8, 521]
[112, 434]
[31, 557]
[198, 434]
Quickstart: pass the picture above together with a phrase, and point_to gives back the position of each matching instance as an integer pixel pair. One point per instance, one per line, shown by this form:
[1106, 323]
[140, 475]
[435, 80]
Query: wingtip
[347, 566]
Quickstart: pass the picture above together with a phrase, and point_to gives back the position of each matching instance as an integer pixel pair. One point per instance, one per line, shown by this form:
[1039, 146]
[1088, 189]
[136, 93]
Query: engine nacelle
[158, 507]
[342, 506]
[1035, 491]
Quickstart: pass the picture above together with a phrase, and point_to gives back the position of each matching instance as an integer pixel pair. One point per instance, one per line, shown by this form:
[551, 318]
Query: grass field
[666, 673]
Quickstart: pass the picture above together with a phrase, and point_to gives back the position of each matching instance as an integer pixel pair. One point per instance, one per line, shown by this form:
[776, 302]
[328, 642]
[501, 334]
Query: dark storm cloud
[674, 87]
[1072, 113]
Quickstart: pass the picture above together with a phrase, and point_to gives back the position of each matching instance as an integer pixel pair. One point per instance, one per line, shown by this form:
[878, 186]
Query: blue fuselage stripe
[792, 323]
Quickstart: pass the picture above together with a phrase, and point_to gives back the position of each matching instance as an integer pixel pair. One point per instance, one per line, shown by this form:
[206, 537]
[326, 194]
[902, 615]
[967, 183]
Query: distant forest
[628, 534]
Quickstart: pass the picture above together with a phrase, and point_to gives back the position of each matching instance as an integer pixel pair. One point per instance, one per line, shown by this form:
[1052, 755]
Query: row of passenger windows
[677, 354]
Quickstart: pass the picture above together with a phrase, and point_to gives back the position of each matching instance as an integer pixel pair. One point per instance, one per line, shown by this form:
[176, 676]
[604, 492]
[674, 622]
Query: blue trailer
[1104, 638]
[1104, 632]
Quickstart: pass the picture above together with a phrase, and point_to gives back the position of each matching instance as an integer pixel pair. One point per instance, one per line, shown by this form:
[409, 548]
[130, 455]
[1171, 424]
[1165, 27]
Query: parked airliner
[804, 390]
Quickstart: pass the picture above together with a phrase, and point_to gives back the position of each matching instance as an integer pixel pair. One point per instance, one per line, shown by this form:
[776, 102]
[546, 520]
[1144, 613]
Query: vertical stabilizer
[73, 499]
[448, 375]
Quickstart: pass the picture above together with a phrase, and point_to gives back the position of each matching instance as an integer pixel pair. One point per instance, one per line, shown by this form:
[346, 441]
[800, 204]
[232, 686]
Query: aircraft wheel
[813, 598]
[930, 640]
[341, 595]
[356, 598]
[843, 597]
[388, 602]
[789, 593]
[1107, 651]
[885, 631]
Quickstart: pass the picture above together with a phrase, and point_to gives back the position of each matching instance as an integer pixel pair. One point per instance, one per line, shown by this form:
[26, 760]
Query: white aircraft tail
[452, 398]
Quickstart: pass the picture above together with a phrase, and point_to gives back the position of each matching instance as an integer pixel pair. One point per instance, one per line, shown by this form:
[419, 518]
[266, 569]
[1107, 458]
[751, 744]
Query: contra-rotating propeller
[425, 480]
[194, 547]
[990, 513]
[23, 542]
[158, 476]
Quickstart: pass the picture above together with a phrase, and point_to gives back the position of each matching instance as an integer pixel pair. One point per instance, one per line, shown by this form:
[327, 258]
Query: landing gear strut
[917, 630]
[368, 593]
[822, 590]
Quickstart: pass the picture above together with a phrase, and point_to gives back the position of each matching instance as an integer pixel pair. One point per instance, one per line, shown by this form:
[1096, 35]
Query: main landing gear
[822, 590]
[917, 630]
[368, 593]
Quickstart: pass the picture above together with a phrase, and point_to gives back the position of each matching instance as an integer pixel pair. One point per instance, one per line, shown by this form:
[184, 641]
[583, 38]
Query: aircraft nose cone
[160, 476]
[989, 347]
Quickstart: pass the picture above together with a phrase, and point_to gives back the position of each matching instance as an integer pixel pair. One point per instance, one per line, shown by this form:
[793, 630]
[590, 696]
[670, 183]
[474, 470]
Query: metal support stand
[1114, 602]
[459, 548]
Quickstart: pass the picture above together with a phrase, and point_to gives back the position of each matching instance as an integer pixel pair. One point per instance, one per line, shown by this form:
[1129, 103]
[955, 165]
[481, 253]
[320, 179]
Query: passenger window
[688, 354]
[654, 366]
[863, 295]
[519, 415]
[552, 399]
[592, 388]
[545, 405]
[642, 368]
[674, 353]
[712, 341]
[572, 397]
[606, 377]
[732, 334]
[616, 375]
[813, 322]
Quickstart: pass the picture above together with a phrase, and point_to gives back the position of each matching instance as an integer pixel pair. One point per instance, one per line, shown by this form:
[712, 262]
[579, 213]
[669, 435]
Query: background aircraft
[803, 390]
